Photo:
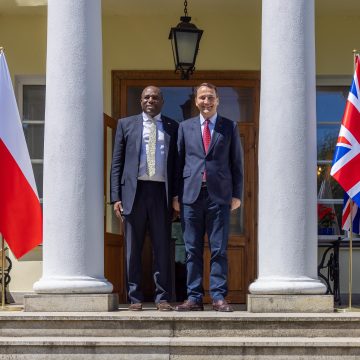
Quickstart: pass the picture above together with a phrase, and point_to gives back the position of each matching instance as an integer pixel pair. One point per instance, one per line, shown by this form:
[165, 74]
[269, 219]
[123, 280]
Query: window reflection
[34, 135]
[236, 103]
[33, 102]
[336, 191]
[326, 140]
[33, 116]
[330, 102]
[237, 216]
[38, 175]
[179, 102]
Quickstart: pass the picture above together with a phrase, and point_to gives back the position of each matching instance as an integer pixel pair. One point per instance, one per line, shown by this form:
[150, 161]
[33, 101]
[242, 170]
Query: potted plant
[326, 220]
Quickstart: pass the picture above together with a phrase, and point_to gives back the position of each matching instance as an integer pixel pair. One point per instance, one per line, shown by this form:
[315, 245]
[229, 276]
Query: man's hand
[235, 203]
[118, 209]
[176, 204]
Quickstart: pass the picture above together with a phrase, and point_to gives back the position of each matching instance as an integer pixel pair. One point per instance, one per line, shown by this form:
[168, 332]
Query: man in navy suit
[210, 169]
[142, 189]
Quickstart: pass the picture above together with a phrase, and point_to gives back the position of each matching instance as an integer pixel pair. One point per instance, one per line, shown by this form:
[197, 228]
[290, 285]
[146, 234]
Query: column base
[287, 286]
[290, 303]
[71, 302]
[72, 285]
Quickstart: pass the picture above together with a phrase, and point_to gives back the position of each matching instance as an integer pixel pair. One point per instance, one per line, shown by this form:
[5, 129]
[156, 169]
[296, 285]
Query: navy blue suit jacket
[223, 163]
[126, 160]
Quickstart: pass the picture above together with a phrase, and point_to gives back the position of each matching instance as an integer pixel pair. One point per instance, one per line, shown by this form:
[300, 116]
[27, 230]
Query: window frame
[329, 81]
[20, 81]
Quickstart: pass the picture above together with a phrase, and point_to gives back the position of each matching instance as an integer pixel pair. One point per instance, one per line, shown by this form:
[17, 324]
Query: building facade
[263, 58]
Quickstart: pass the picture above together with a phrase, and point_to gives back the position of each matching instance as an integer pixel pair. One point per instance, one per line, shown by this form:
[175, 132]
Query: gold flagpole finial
[356, 51]
[1, 49]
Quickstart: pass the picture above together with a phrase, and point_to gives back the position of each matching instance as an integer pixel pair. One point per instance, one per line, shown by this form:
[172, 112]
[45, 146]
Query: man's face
[151, 101]
[206, 101]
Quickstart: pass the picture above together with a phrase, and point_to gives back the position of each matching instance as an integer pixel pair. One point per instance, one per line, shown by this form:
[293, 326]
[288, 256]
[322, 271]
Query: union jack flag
[346, 163]
[355, 216]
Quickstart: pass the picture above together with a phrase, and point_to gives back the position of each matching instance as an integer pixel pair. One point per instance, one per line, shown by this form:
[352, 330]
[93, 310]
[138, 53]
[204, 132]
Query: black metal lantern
[185, 39]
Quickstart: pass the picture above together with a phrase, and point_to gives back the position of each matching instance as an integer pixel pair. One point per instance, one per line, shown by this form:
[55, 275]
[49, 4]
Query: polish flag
[20, 210]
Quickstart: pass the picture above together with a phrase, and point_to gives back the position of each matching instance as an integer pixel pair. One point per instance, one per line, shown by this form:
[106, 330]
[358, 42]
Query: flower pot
[325, 231]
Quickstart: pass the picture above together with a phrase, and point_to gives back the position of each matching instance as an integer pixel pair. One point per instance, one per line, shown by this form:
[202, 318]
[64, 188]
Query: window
[31, 101]
[331, 95]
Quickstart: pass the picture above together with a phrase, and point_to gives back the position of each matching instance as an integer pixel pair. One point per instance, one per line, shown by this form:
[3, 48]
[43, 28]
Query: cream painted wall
[231, 42]
[336, 37]
[24, 40]
[25, 272]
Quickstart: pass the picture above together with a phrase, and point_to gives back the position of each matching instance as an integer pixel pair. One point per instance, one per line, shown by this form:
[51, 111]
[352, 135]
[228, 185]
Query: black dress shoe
[222, 305]
[189, 305]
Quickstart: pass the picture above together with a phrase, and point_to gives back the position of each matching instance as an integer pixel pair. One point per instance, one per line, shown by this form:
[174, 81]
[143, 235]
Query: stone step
[172, 324]
[180, 348]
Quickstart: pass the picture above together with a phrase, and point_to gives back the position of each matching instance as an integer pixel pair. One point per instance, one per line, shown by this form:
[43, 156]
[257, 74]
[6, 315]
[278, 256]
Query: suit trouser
[149, 210]
[206, 216]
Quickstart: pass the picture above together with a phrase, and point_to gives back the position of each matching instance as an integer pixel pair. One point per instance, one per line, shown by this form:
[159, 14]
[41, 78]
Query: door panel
[113, 237]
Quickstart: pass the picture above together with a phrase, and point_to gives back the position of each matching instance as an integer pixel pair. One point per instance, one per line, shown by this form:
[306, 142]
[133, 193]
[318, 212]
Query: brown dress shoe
[189, 305]
[222, 305]
[135, 307]
[164, 306]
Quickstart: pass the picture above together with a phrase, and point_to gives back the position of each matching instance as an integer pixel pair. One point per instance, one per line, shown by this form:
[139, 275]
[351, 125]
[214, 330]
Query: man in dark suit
[142, 190]
[210, 169]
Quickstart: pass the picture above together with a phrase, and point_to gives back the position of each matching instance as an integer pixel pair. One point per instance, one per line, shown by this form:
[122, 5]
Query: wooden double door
[239, 100]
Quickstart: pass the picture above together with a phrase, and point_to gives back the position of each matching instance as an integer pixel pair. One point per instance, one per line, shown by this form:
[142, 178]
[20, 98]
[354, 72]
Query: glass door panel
[237, 216]
[112, 223]
[236, 103]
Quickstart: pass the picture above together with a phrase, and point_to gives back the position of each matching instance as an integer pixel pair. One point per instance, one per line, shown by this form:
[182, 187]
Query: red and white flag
[20, 210]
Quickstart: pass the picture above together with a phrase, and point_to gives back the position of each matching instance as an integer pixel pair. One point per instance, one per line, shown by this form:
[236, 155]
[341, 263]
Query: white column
[287, 151]
[73, 254]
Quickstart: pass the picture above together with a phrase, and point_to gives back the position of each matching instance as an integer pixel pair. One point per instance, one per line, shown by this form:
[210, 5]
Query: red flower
[326, 215]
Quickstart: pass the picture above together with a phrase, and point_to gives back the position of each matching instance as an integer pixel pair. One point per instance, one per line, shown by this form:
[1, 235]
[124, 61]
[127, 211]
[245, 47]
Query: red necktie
[206, 140]
[206, 135]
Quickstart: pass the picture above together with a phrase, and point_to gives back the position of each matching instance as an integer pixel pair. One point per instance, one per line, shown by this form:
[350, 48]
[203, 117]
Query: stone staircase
[191, 336]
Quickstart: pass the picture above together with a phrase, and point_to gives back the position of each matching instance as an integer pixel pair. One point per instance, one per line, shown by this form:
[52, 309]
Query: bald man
[142, 190]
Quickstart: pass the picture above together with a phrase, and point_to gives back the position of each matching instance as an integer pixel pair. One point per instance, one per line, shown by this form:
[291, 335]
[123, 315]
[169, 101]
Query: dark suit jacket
[126, 159]
[223, 163]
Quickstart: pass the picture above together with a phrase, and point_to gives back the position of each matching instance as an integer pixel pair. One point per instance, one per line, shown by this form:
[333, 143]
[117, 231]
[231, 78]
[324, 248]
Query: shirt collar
[146, 117]
[212, 119]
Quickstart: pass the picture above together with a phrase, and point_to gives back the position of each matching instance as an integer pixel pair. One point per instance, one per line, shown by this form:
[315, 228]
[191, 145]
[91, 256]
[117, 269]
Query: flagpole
[350, 255]
[2, 272]
[3, 285]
